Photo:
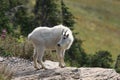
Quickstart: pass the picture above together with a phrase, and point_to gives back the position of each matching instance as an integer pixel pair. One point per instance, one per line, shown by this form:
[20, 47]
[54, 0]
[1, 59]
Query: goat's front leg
[61, 58]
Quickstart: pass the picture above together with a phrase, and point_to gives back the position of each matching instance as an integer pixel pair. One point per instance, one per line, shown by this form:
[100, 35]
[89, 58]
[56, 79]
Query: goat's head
[65, 39]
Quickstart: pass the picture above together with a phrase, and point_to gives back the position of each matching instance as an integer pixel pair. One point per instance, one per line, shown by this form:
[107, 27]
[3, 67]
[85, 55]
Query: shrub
[101, 59]
[117, 64]
[5, 47]
[20, 47]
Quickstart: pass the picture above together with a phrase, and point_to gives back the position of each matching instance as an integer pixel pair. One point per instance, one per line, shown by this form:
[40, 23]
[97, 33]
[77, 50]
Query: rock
[70, 73]
[1, 59]
[24, 70]
[50, 64]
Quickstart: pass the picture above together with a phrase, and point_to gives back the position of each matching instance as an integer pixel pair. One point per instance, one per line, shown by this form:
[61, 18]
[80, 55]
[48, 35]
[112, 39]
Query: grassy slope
[98, 24]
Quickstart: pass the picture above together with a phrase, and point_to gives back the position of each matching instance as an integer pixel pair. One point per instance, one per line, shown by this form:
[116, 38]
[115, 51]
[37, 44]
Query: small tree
[117, 64]
[67, 17]
[46, 13]
[24, 20]
[4, 20]
[76, 55]
[101, 59]
[10, 15]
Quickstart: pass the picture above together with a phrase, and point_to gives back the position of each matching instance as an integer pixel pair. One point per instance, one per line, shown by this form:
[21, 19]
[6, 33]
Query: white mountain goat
[57, 38]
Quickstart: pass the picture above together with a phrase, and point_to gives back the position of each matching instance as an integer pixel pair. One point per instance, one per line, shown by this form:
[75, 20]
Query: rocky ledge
[24, 70]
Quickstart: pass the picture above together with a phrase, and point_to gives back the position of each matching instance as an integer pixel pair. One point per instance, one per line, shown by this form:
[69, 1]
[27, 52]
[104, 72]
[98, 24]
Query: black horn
[62, 31]
[65, 32]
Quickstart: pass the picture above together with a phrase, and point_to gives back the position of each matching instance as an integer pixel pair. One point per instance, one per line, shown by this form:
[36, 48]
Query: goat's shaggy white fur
[57, 38]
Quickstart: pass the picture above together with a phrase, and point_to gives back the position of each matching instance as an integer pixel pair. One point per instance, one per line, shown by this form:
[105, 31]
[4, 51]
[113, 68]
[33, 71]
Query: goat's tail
[29, 37]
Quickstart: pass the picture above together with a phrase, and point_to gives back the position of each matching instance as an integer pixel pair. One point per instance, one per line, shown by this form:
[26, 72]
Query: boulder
[1, 59]
[24, 70]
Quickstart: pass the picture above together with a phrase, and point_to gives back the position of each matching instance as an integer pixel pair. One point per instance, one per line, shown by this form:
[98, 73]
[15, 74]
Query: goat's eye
[64, 38]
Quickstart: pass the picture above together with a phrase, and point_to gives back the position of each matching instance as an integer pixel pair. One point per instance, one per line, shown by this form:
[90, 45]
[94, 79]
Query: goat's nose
[58, 45]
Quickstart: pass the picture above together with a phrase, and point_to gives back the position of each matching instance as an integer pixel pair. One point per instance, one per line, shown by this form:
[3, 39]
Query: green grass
[5, 72]
[98, 24]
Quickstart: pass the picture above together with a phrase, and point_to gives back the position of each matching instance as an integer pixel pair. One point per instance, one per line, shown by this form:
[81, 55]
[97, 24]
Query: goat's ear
[67, 35]
[65, 32]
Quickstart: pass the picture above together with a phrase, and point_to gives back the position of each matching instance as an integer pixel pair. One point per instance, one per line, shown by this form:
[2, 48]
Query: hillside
[98, 24]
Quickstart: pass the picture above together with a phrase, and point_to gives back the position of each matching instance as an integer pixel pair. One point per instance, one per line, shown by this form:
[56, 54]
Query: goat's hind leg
[40, 52]
[35, 58]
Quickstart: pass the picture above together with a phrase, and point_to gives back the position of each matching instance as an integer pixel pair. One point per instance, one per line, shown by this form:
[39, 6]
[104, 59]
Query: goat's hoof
[45, 68]
[37, 68]
[62, 66]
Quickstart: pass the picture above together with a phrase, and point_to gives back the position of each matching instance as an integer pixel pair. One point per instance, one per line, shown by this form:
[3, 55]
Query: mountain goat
[57, 38]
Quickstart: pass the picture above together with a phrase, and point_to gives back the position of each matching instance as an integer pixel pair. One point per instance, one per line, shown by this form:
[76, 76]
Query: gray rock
[1, 59]
[24, 70]
[70, 73]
